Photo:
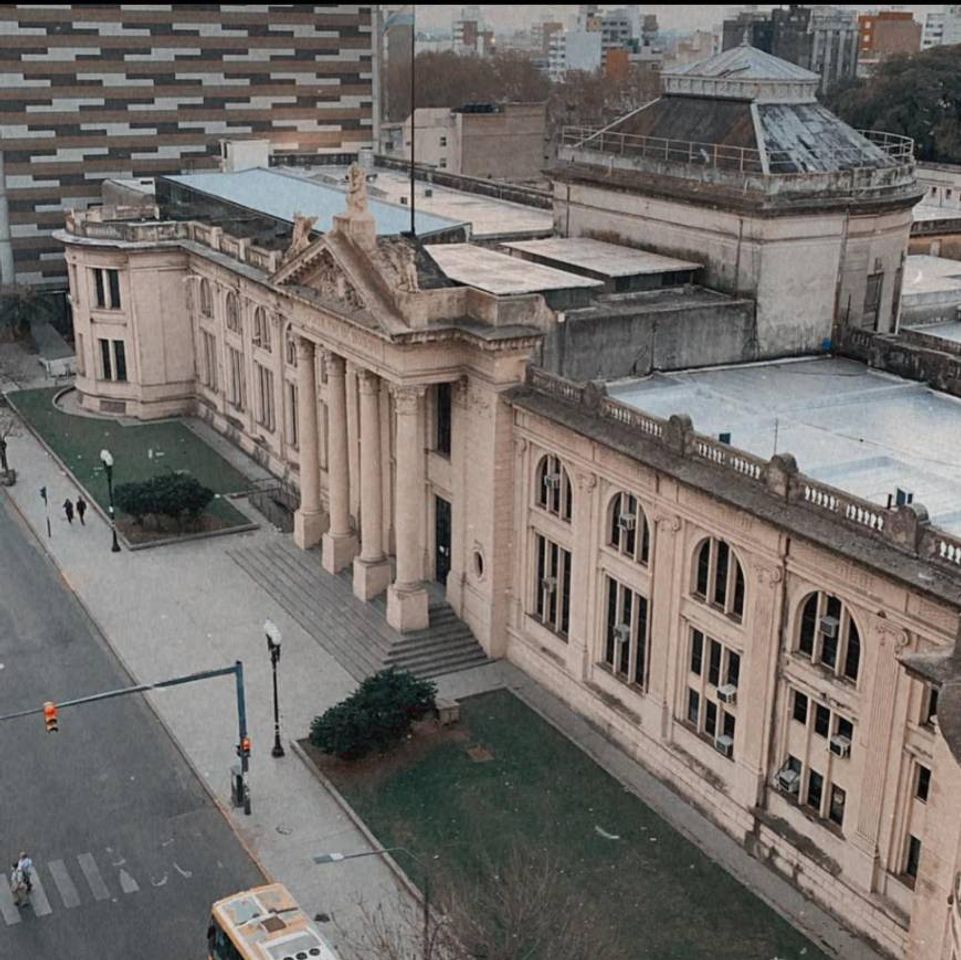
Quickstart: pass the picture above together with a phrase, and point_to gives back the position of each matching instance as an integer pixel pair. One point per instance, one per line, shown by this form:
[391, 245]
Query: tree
[174, 495]
[917, 95]
[22, 305]
[9, 427]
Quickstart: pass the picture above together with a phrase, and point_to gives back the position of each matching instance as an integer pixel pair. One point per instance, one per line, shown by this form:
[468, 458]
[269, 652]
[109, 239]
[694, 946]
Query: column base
[308, 528]
[336, 552]
[407, 607]
[370, 577]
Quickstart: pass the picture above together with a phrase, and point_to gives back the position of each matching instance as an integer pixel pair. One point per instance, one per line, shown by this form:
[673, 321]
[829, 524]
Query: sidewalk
[188, 607]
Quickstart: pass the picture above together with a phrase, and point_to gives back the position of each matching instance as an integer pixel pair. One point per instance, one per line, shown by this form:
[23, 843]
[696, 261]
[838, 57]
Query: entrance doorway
[441, 539]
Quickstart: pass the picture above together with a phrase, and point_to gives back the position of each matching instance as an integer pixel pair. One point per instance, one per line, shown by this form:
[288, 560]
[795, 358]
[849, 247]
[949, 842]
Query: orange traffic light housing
[50, 716]
[245, 747]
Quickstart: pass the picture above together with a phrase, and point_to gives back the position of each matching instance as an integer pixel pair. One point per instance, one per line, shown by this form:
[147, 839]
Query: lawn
[533, 791]
[139, 451]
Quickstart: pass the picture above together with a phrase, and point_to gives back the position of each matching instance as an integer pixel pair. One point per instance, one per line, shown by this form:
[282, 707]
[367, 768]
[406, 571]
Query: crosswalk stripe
[127, 882]
[38, 896]
[8, 909]
[65, 886]
[92, 872]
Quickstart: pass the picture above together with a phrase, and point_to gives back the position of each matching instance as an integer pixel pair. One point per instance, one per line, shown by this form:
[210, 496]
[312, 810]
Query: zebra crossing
[76, 880]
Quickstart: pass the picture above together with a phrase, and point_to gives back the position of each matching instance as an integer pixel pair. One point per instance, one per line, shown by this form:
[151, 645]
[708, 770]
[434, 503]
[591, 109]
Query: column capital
[305, 349]
[334, 364]
[367, 381]
[407, 397]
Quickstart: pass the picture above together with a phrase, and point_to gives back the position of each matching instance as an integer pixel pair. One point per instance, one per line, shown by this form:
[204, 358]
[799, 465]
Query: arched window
[828, 635]
[206, 299]
[627, 529]
[262, 329]
[232, 312]
[718, 577]
[554, 488]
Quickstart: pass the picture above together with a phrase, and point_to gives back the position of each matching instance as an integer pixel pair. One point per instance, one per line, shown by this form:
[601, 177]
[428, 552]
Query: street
[128, 849]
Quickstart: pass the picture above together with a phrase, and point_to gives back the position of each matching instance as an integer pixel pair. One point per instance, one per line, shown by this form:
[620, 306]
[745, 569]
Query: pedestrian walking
[68, 509]
[81, 509]
[18, 886]
[25, 866]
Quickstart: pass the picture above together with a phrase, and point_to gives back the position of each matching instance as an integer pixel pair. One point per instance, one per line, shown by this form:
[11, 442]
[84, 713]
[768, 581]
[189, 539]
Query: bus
[264, 923]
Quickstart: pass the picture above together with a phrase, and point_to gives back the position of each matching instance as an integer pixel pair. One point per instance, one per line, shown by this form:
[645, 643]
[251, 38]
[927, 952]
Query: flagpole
[413, 114]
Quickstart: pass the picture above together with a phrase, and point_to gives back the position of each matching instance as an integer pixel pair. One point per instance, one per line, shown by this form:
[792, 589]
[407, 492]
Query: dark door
[441, 539]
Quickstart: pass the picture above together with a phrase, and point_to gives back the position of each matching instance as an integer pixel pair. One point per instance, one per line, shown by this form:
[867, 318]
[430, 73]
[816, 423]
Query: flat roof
[925, 210]
[281, 194]
[857, 429]
[927, 274]
[489, 217]
[500, 273]
[948, 330]
[606, 259]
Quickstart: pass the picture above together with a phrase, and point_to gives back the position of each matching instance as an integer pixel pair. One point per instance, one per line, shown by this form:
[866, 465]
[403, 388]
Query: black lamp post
[273, 648]
[106, 458]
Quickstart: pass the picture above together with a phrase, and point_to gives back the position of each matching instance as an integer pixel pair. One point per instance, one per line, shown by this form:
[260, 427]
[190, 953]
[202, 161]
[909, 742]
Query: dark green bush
[375, 716]
[174, 495]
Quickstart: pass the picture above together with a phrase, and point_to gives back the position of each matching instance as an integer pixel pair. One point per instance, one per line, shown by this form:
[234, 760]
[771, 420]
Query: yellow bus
[264, 924]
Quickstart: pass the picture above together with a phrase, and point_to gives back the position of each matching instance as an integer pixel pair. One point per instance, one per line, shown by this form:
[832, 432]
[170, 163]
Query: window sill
[823, 670]
[730, 617]
[703, 737]
[545, 629]
[631, 685]
[809, 814]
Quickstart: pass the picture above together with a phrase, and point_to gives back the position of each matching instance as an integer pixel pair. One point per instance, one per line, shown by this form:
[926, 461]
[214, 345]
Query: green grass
[666, 899]
[79, 440]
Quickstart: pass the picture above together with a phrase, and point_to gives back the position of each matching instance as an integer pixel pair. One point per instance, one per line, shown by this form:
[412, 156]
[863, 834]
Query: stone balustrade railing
[905, 527]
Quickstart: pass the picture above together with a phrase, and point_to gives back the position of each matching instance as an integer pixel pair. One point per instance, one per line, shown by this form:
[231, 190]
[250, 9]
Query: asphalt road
[128, 848]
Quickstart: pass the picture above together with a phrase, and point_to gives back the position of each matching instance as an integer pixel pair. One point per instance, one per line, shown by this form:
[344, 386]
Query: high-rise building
[92, 92]
[942, 27]
[887, 32]
[820, 38]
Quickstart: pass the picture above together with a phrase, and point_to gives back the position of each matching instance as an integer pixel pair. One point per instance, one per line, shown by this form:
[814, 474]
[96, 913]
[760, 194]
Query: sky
[509, 17]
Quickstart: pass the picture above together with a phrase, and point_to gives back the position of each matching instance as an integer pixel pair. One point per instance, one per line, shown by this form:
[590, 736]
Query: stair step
[408, 654]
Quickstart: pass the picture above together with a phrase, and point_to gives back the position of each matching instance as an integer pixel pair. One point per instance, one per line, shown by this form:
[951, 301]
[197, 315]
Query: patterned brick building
[128, 90]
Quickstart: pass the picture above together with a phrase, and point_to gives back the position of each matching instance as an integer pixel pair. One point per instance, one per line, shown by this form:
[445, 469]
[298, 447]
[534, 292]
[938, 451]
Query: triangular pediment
[318, 268]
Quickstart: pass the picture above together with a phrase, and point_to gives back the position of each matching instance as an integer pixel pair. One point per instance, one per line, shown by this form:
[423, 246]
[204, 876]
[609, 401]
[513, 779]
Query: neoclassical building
[777, 644]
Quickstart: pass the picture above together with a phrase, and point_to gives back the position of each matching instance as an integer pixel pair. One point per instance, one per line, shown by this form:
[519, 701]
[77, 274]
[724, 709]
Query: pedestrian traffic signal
[245, 747]
[50, 716]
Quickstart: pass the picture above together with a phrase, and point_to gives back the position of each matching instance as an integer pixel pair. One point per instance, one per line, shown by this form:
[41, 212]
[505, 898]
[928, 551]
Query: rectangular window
[443, 141]
[703, 571]
[265, 396]
[697, 651]
[728, 724]
[292, 413]
[81, 359]
[800, 712]
[442, 394]
[710, 717]
[553, 586]
[872, 300]
[210, 359]
[236, 361]
[693, 706]
[913, 858]
[113, 281]
[815, 790]
[106, 368]
[101, 289]
[923, 784]
[822, 720]
[733, 668]
[120, 360]
[836, 810]
[625, 649]
[720, 578]
[845, 728]
[714, 663]
[930, 705]
[829, 650]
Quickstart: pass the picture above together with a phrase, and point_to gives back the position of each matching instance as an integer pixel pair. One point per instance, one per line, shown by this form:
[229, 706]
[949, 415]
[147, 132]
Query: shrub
[375, 716]
[174, 495]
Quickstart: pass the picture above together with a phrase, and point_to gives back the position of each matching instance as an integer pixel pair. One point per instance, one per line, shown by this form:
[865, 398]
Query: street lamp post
[338, 857]
[106, 458]
[273, 648]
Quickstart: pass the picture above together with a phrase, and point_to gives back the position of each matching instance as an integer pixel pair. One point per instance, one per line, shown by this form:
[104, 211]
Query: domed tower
[739, 167]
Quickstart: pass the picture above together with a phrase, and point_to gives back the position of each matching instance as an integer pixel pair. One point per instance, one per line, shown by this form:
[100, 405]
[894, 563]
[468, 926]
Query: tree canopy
[917, 95]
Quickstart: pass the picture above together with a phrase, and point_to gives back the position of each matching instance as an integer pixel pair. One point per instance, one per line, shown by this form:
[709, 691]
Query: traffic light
[50, 716]
[245, 746]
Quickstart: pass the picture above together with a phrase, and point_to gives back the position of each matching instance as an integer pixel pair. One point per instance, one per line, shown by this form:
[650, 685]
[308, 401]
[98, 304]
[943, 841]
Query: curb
[146, 700]
[355, 819]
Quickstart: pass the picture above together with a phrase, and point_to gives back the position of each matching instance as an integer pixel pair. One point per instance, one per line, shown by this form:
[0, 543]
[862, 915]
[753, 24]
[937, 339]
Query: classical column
[339, 543]
[371, 569]
[309, 519]
[407, 599]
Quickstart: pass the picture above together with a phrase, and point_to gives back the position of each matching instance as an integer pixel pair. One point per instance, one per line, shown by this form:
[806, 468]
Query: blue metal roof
[281, 195]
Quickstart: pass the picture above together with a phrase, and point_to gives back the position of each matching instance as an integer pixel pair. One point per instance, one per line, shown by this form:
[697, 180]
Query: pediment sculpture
[300, 237]
[327, 278]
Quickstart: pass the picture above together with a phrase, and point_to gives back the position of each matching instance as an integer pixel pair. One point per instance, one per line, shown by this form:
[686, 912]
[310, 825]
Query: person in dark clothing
[68, 509]
[81, 509]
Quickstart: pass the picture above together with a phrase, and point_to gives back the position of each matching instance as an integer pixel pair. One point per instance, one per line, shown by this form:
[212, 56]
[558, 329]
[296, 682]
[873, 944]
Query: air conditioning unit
[626, 522]
[829, 626]
[725, 745]
[727, 693]
[788, 780]
[428, 192]
[552, 480]
[841, 746]
[622, 633]
[549, 584]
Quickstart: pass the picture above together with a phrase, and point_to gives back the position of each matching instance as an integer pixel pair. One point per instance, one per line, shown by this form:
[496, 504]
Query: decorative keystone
[904, 525]
[781, 470]
[677, 433]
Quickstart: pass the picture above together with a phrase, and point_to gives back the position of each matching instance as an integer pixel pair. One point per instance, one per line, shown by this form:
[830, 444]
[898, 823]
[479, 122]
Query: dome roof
[744, 73]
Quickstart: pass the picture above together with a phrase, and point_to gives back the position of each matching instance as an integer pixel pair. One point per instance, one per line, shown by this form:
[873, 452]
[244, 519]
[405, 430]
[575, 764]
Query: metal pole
[426, 911]
[115, 547]
[413, 116]
[278, 750]
[242, 729]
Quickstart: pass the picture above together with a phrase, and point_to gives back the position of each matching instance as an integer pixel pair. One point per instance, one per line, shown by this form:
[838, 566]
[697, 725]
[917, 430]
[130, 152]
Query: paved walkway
[181, 608]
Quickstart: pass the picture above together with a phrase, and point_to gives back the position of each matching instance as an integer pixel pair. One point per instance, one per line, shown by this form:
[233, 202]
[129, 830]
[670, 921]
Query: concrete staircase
[355, 633]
